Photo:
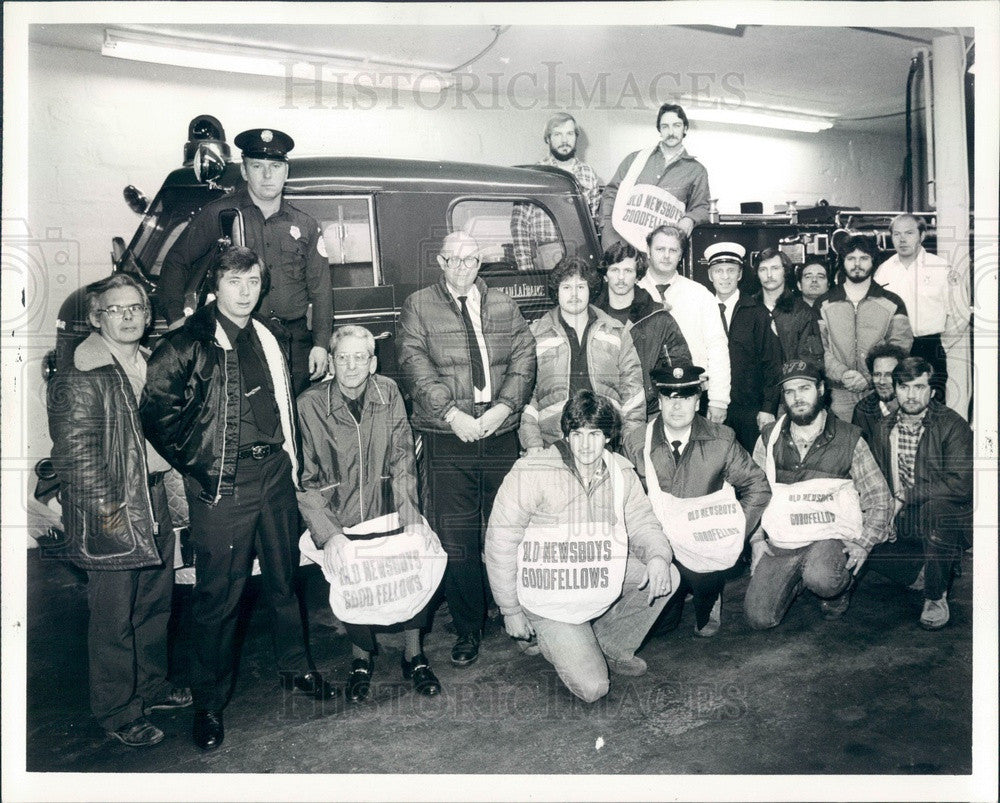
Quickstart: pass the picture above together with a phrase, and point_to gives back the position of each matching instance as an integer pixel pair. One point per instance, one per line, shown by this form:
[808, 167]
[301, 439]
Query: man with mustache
[530, 225]
[678, 183]
[829, 506]
[881, 402]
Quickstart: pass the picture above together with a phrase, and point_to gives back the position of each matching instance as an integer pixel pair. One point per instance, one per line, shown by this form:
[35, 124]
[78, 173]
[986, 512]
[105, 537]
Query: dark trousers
[929, 536]
[706, 588]
[743, 421]
[461, 481]
[302, 342]
[929, 347]
[260, 517]
[364, 636]
[127, 632]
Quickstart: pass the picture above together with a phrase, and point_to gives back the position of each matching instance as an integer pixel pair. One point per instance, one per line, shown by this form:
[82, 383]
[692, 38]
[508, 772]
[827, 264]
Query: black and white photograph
[500, 401]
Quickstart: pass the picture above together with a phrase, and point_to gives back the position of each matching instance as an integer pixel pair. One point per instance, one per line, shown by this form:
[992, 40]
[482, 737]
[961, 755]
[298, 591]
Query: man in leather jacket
[115, 514]
[218, 405]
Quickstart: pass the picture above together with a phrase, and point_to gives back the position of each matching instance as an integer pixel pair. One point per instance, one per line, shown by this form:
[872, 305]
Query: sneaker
[138, 733]
[918, 584]
[936, 613]
[178, 698]
[714, 621]
[835, 608]
[632, 667]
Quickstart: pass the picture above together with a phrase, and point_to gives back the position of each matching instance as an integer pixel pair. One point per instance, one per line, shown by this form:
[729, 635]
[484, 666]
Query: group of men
[217, 402]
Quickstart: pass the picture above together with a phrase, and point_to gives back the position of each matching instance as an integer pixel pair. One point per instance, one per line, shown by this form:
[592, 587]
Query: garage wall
[98, 124]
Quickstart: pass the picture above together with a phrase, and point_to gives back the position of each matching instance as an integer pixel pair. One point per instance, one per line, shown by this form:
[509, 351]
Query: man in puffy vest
[830, 504]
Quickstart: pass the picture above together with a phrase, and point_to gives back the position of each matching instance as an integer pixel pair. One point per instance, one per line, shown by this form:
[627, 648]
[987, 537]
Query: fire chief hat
[676, 381]
[264, 143]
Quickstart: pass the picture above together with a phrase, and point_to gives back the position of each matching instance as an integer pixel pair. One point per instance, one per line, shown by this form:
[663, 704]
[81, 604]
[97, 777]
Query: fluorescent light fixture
[200, 54]
[756, 116]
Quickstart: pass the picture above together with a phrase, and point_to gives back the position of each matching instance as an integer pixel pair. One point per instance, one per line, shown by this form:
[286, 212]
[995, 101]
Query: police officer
[286, 239]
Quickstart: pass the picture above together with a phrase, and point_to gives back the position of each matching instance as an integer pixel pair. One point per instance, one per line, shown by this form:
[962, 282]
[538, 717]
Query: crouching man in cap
[572, 542]
[218, 405]
[287, 241]
[925, 450]
[830, 504]
[115, 512]
[707, 493]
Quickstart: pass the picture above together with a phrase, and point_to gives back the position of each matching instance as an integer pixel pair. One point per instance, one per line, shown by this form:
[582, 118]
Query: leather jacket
[100, 455]
[191, 404]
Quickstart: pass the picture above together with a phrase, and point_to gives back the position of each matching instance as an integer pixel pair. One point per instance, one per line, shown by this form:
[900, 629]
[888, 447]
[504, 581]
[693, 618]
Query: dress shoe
[359, 681]
[466, 650]
[178, 698]
[935, 614]
[714, 621]
[208, 732]
[419, 670]
[310, 684]
[632, 667]
[138, 733]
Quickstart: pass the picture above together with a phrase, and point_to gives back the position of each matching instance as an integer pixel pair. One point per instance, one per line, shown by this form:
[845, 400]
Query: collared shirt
[696, 311]
[579, 373]
[135, 372]
[803, 437]
[474, 303]
[662, 437]
[585, 177]
[905, 438]
[730, 304]
[249, 432]
[924, 287]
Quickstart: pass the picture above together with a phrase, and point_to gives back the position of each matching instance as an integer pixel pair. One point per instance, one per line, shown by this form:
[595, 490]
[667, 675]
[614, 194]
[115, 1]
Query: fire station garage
[804, 128]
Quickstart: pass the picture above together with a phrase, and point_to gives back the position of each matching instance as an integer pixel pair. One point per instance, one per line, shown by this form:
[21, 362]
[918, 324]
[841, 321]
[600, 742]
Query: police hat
[800, 369]
[264, 143]
[677, 380]
[722, 253]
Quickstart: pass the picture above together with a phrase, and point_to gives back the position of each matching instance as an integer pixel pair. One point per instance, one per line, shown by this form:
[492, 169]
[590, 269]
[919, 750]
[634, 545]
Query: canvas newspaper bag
[574, 572]
[640, 208]
[801, 513]
[706, 533]
[387, 574]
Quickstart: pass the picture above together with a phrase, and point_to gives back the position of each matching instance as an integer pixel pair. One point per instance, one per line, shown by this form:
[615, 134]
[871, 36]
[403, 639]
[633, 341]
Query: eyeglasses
[345, 359]
[118, 311]
[468, 262]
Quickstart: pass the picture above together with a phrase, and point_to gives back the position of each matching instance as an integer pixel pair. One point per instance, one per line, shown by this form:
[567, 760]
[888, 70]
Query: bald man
[468, 361]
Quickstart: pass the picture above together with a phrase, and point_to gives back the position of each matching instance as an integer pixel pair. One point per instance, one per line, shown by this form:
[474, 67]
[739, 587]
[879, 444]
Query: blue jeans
[780, 578]
[578, 651]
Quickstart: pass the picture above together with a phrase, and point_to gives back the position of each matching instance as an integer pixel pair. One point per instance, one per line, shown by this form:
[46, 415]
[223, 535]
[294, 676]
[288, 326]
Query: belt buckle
[260, 451]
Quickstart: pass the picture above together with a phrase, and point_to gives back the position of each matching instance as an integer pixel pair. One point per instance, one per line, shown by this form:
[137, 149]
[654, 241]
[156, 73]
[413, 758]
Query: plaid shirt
[908, 432]
[532, 225]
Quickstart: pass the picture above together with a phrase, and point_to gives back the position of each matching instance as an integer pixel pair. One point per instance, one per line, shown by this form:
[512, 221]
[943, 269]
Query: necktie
[676, 446]
[478, 374]
[662, 289]
[722, 312]
[254, 374]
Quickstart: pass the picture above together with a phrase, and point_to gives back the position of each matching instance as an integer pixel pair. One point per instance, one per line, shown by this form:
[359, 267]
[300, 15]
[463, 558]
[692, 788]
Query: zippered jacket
[612, 364]
[99, 452]
[351, 471]
[191, 404]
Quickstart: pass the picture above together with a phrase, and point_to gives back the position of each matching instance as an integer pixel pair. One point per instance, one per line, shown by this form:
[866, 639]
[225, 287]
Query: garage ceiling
[855, 74]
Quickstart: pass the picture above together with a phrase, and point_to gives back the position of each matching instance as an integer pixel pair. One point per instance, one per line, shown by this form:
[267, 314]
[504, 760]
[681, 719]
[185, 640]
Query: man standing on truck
[468, 360]
[653, 187]
[287, 240]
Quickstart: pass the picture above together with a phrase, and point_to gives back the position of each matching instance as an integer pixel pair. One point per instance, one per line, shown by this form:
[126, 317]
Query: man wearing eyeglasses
[115, 513]
[468, 360]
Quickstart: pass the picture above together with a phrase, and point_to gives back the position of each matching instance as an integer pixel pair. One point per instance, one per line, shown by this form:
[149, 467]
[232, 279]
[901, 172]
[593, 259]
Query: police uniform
[290, 244]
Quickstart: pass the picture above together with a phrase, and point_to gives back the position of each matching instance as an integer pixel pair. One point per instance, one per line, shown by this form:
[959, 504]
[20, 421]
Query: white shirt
[473, 302]
[670, 437]
[926, 290]
[696, 311]
[730, 306]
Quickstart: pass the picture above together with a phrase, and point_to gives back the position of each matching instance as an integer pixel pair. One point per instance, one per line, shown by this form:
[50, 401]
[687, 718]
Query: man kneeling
[829, 505]
[571, 543]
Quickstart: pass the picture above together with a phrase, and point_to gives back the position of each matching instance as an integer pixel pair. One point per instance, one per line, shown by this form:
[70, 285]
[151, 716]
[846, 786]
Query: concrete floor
[872, 693]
